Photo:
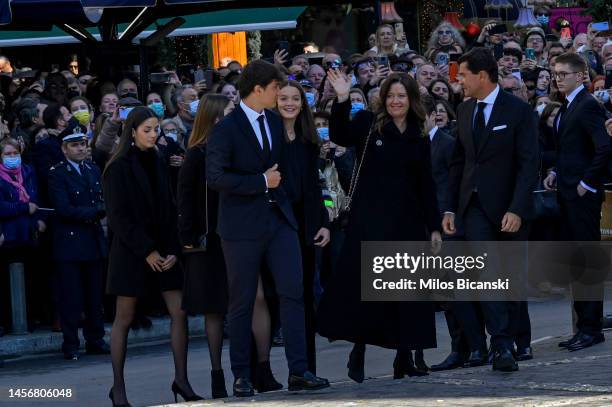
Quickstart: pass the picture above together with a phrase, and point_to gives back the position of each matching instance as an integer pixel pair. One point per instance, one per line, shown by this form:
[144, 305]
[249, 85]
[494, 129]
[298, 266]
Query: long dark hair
[134, 119]
[416, 111]
[304, 121]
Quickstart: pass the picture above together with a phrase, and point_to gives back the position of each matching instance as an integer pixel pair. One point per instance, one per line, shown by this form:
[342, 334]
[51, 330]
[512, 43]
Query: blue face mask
[542, 19]
[158, 109]
[323, 133]
[355, 107]
[12, 163]
[310, 99]
[193, 107]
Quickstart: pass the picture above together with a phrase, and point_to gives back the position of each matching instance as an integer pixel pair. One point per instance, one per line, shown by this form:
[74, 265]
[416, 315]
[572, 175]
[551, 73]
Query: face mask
[543, 20]
[540, 109]
[310, 99]
[323, 133]
[83, 116]
[130, 95]
[12, 163]
[193, 107]
[602, 95]
[158, 109]
[355, 107]
[172, 135]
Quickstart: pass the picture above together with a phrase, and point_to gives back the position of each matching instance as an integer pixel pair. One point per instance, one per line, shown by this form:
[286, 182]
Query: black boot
[419, 361]
[264, 380]
[217, 384]
[403, 364]
[356, 362]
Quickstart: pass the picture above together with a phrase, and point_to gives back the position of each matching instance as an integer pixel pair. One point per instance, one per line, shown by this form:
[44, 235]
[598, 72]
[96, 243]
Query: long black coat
[395, 200]
[205, 288]
[139, 223]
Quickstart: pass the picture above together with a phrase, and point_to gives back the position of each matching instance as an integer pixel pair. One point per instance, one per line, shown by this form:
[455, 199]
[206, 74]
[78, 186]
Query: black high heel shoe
[419, 361]
[217, 384]
[177, 390]
[112, 399]
[403, 364]
[356, 363]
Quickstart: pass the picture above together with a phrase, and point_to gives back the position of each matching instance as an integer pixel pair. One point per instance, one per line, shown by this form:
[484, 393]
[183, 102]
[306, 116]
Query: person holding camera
[79, 245]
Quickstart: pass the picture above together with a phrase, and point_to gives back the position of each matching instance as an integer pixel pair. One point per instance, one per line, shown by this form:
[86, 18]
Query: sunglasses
[445, 32]
[532, 87]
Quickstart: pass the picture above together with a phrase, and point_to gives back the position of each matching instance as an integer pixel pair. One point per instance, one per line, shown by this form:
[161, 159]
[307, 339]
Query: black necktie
[82, 168]
[264, 136]
[479, 124]
[562, 111]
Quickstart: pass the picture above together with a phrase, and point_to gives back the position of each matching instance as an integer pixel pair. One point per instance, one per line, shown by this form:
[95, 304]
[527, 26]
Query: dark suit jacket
[583, 146]
[504, 168]
[79, 206]
[442, 147]
[234, 167]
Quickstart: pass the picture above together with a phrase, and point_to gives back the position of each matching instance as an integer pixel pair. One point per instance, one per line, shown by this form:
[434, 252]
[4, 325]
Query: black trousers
[279, 248]
[581, 222]
[502, 318]
[80, 285]
[468, 315]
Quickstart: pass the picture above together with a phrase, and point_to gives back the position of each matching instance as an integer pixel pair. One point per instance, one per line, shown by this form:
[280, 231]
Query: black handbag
[343, 218]
[545, 202]
[202, 239]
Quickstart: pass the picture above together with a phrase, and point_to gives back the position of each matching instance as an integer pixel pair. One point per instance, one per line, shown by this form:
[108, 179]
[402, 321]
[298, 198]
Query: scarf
[8, 175]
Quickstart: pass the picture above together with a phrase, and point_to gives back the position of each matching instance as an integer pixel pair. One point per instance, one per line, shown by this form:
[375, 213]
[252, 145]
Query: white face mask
[540, 108]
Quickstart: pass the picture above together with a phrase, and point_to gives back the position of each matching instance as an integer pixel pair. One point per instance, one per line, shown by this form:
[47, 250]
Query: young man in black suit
[583, 153]
[256, 224]
[493, 173]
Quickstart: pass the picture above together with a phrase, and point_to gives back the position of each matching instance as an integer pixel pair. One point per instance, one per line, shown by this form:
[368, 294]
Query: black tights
[126, 307]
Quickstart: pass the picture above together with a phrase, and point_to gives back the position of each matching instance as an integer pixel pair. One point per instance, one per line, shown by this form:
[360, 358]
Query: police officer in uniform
[79, 246]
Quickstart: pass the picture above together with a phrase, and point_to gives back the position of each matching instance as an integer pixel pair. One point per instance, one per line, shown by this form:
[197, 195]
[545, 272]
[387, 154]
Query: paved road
[553, 378]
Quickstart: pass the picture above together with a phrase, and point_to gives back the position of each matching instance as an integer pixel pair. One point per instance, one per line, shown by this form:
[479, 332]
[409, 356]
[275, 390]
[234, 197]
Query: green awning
[276, 18]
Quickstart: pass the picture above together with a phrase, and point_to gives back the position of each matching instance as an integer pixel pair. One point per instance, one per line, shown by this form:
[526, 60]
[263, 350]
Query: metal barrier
[18, 299]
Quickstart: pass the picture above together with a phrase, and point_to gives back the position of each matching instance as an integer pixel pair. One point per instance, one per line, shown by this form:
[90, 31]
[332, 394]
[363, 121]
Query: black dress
[395, 201]
[141, 219]
[205, 289]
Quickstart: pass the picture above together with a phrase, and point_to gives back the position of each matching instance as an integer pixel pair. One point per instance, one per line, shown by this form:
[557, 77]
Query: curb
[12, 346]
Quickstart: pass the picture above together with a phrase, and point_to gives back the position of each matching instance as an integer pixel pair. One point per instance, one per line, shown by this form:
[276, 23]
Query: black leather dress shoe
[452, 361]
[524, 354]
[307, 381]
[71, 355]
[565, 344]
[586, 341]
[504, 361]
[243, 387]
[102, 349]
[477, 358]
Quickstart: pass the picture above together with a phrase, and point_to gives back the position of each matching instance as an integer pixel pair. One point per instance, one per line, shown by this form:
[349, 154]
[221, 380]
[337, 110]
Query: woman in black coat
[144, 244]
[300, 172]
[395, 200]
[205, 289]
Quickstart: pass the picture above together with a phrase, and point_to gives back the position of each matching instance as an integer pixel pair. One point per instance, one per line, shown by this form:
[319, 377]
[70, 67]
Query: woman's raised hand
[341, 84]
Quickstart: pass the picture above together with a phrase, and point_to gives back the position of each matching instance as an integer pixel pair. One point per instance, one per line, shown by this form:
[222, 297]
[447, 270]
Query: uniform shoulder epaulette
[56, 166]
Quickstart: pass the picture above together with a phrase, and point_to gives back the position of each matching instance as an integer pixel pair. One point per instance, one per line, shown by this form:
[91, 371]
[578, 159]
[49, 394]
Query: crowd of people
[245, 198]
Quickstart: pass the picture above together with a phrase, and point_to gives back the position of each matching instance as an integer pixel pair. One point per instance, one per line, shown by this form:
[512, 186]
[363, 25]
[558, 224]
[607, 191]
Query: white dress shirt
[570, 98]
[432, 133]
[489, 100]
[252, 116]
[75, 165]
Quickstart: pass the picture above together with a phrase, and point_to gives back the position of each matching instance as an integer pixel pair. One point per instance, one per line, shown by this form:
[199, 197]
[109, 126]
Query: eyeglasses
[560, 76]
[531, 87]
[535, 39]
[445, 32]
[542, 14]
